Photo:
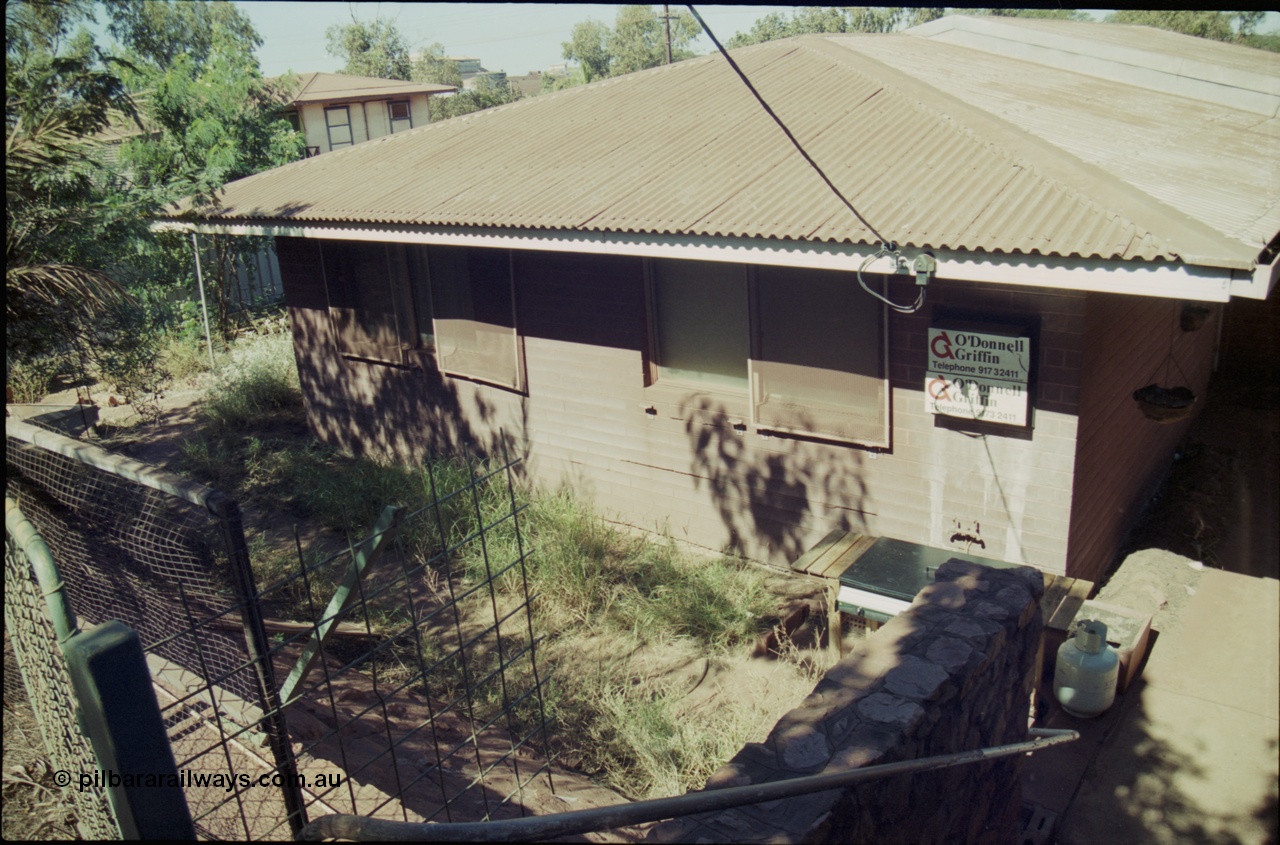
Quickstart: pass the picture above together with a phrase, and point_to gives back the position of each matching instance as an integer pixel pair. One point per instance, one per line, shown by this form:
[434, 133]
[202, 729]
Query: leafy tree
[370, 48]
[60, 90]
[1048, 14]
[1269, 41]
[821, 19]
[211, 118]
[560, 81]
[432, 66]
[162, 32]
[489, 92]
[1236, 27]
[637, 41]
[588, 46]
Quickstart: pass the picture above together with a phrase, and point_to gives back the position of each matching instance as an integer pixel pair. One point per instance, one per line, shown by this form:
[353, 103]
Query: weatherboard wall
[588, 420]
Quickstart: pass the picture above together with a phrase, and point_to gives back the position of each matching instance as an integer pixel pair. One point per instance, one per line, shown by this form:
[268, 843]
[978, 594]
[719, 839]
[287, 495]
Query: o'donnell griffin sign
[978, 376]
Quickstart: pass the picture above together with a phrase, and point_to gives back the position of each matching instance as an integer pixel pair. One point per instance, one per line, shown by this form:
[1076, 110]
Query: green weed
[257, 379]
[600, 589]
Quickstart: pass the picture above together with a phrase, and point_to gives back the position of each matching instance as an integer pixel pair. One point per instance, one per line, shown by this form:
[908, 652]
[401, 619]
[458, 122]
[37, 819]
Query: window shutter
[473, 300]
[818, 364]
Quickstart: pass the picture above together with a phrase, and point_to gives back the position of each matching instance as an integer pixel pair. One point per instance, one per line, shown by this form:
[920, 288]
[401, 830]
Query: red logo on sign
[945, 351]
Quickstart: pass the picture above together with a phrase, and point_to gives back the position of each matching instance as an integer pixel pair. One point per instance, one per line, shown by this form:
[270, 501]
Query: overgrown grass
[639, 738]
[601, 590]
[255, 380]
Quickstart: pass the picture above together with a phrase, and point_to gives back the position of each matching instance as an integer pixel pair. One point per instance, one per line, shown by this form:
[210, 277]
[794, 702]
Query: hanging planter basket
[1193, 317]
[1165, 404]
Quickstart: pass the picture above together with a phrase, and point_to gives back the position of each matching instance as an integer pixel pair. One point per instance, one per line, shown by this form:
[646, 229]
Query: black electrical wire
[886, 247]
[883, 242]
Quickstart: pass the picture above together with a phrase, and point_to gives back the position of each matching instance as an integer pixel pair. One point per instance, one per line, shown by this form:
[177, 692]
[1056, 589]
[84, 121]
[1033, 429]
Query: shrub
[122, 344]
[31, 379]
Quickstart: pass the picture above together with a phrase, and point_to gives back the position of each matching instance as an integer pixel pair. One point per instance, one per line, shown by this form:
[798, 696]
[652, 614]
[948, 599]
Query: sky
[512, 37]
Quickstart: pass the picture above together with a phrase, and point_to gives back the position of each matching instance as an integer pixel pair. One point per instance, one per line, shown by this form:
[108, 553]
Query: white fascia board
[1173, 281]
[1259, 283]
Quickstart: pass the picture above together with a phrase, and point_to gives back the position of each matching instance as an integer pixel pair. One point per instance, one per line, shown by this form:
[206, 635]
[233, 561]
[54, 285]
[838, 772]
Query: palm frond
[62, 285]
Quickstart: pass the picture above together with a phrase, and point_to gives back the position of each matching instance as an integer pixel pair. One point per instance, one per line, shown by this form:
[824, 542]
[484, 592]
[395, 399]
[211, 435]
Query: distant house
[335, 110]
[473, 74]
[676, 314]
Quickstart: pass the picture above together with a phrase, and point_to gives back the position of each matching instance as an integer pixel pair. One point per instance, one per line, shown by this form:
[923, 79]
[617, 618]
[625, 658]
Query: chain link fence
[36, 672]
[407, 662]
[167, 557]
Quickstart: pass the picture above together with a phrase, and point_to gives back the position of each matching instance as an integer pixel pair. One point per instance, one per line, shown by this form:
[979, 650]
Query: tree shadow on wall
[773, 494]
[408, 413]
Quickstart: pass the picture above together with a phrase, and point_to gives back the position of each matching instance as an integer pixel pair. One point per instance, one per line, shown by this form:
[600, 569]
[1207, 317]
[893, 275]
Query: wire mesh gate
[32, 659]
[427, 705]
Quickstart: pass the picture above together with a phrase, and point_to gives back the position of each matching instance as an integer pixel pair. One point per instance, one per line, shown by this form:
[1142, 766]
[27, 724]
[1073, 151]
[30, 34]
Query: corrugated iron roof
[936, 145]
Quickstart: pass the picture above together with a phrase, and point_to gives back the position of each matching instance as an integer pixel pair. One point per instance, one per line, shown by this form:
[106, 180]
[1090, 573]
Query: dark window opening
[806, 346]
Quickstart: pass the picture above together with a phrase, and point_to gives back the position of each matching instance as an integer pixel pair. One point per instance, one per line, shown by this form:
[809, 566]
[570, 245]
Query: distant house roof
[938, 145]
[340, 87]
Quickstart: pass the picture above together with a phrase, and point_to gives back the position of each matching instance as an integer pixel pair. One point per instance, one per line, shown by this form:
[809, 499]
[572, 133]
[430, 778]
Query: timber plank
[806, 560]
[1054, 593]
[1070, 606]
[823, 563]
[858, 544]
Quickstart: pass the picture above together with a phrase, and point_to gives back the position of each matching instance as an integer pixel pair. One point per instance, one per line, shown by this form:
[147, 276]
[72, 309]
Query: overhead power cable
[783, 127]
[887, 248]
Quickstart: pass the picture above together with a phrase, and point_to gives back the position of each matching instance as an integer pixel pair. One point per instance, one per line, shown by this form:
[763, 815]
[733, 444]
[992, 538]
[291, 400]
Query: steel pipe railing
[536, 828]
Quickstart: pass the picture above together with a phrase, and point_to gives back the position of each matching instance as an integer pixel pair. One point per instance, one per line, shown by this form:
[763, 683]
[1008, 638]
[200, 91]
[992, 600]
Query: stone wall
[955, 672]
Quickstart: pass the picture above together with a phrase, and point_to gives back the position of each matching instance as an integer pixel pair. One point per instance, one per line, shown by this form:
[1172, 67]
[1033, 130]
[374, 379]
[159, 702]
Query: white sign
[978, 376]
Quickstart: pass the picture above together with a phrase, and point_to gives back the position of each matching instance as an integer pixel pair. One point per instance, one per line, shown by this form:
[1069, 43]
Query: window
[473, 301]
[701, 333]
[338, 121]
[371, 289]
[818, 362]
[388, 299]
[805, 347]
[399, 115]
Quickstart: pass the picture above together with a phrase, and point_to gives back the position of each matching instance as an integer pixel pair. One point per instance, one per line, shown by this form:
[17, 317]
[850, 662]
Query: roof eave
[1167, 279]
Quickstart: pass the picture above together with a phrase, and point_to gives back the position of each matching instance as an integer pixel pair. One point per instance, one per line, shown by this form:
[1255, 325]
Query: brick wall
[952, 673]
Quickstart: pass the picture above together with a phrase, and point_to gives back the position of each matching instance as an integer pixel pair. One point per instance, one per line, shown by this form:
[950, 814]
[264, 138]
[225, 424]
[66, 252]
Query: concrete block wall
[953, 673]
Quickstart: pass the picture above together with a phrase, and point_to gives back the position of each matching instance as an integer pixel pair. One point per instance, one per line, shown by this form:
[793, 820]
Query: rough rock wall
[953, 673]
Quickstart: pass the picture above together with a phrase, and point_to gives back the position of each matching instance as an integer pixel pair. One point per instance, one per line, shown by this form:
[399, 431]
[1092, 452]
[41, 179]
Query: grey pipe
[538, 828]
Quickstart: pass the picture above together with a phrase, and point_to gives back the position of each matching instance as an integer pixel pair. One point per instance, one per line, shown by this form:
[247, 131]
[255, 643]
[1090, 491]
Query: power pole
[666, 19]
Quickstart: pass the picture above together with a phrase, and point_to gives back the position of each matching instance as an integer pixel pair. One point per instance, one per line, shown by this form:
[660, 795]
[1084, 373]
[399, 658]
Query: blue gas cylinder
[1084, 679]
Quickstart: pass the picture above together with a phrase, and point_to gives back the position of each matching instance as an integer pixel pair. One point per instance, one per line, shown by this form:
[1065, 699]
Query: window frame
[392, 120]
[739, 406]
[520, 384]
[329, 127]
[654, 368]
[886, 400]
[343, 308]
